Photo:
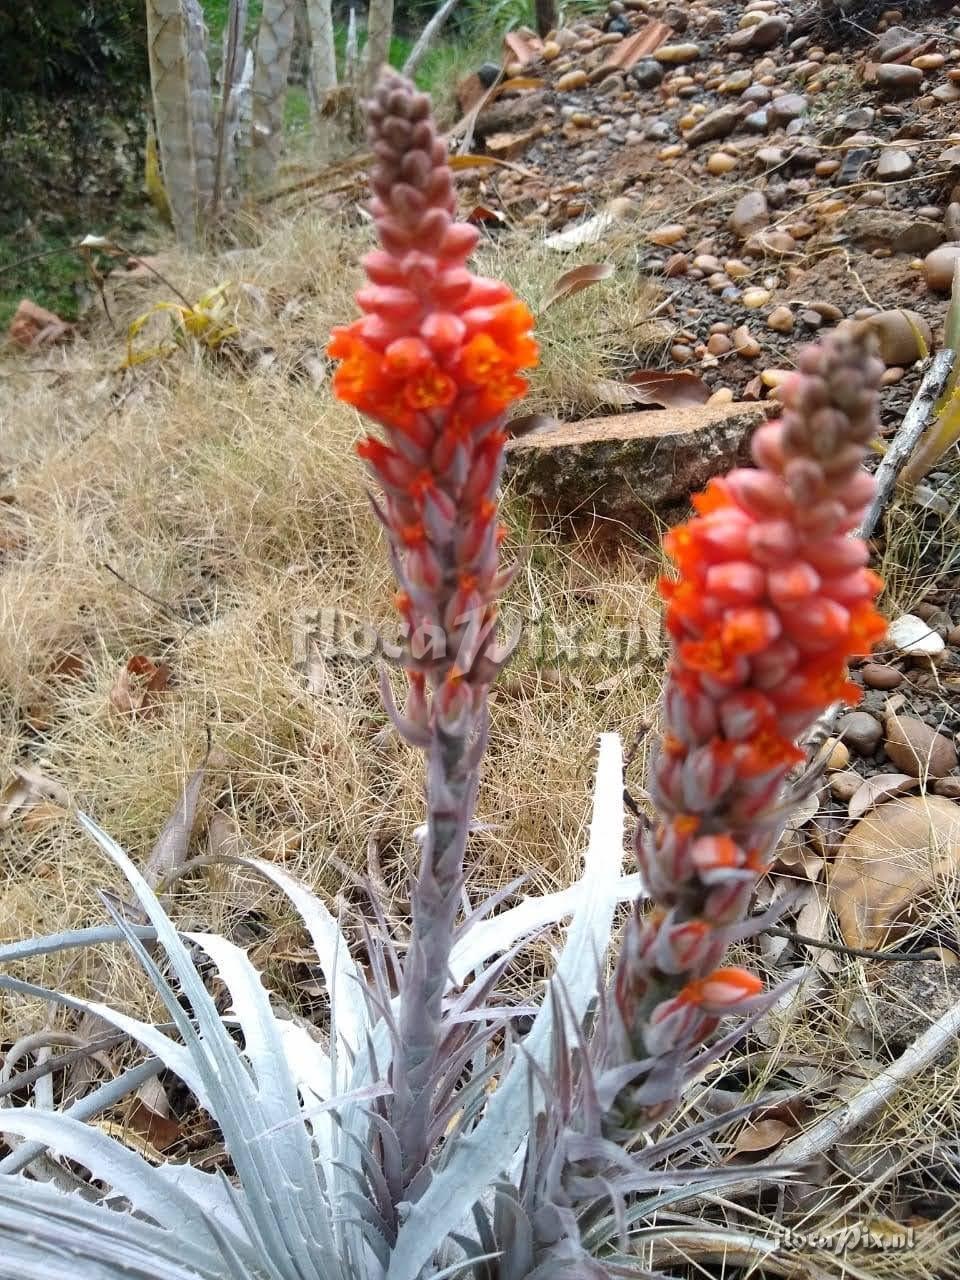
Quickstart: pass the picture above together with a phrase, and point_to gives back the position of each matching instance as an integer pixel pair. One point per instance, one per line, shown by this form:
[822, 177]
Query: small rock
[949, 158]
[894, 164]
[768, 32]
[786, 108]
[746, 344]
[946, 93]
[830, 313]
[911, 635]
[674, 54]
[948, 787]
[718, 344]
[928, 61]
[670, 234]
[939, 265]
[895, 78]
[900, 335]
[757, 121]
[718, 124]
[877, 675]
[738, 82]
[917, 749]
[749, 215]
[951, 221]
[845, 784]
[657, 130]
[855, 120]
[755, 297]
[572, 80]
[860, 731]
[721, 162]
[647, 74]
[839, 756]
[781, 320]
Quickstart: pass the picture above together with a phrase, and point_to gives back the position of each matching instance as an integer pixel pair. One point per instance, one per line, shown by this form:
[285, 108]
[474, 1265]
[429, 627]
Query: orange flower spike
[769, 602]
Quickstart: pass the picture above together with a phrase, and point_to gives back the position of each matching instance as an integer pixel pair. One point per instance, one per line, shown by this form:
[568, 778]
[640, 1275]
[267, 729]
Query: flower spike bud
[770, 601]
[436, 359]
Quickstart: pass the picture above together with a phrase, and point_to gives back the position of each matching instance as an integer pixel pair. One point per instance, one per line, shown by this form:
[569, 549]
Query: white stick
[427, 36]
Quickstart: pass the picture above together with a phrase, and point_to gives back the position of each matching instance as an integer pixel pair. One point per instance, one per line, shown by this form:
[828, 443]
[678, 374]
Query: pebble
[773, 378]
[756, 121]
[911, 635]
[928, 61]
[738, 82]
[946, 93]
[894, 78]
[877, 675]
[647, 74]
[678, 264]
[745, 343]
[860, 731]
[894, 164]
[722, 395]
[786, 108]
[718, 344]
[917, 749]
[672, 152]
[721, 162]
[755, 297]
[572, 80]
[900, 335]
[750, 213]
[845, 784]
[781, 320]
[675, 54]
[839, 757]
[680, 353]
[938, 266]
[718, 124]
[670, 234]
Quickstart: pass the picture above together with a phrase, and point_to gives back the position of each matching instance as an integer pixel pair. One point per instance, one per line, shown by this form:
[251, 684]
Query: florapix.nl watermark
[541, 639]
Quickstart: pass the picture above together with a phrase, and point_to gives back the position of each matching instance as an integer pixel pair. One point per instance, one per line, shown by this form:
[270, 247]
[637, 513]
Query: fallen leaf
[170, 850]
[29, 789]
[138, 686]
[482, 216]
[593, 229]
[520, 47]
[470, 161]
[876, 788]
[669, 388]
[519, 82]
[507, 146]
[148, 1115]
[887, 862]
[572, 282]
[763, 1135]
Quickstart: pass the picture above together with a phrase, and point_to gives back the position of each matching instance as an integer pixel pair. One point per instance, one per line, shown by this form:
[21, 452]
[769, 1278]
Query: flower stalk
[771, 598]
[436, 361]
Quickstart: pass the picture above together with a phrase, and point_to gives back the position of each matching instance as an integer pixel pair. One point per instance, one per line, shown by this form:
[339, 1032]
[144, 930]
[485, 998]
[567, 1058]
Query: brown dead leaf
[762, 1135]
[170, 850]
[507, 146]
[148, 1115]
[138, 686]
[522, 47]
[887, 862]
[572, 282]
[669, 388]
[880, 786]
[471, 161]
[28, 792]
[519, 82]
[481, 216]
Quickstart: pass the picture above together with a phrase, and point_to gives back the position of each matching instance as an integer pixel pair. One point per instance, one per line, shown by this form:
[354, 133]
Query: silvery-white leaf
[480, 1157]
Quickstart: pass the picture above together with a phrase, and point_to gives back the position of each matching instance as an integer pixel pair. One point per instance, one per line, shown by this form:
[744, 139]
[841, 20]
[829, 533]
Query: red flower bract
[436, 359]
[771, 599]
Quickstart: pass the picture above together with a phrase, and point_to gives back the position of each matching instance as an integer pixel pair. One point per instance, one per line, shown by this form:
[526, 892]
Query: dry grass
[232, 506]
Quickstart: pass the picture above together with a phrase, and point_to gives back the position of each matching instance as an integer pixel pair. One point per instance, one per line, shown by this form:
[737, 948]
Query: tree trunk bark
[272, 65]
[546, 15]
[183, 111]
[379, 33]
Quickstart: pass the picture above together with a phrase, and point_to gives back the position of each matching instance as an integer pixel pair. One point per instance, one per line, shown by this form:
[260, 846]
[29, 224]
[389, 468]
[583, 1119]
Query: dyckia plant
[415, 1136]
